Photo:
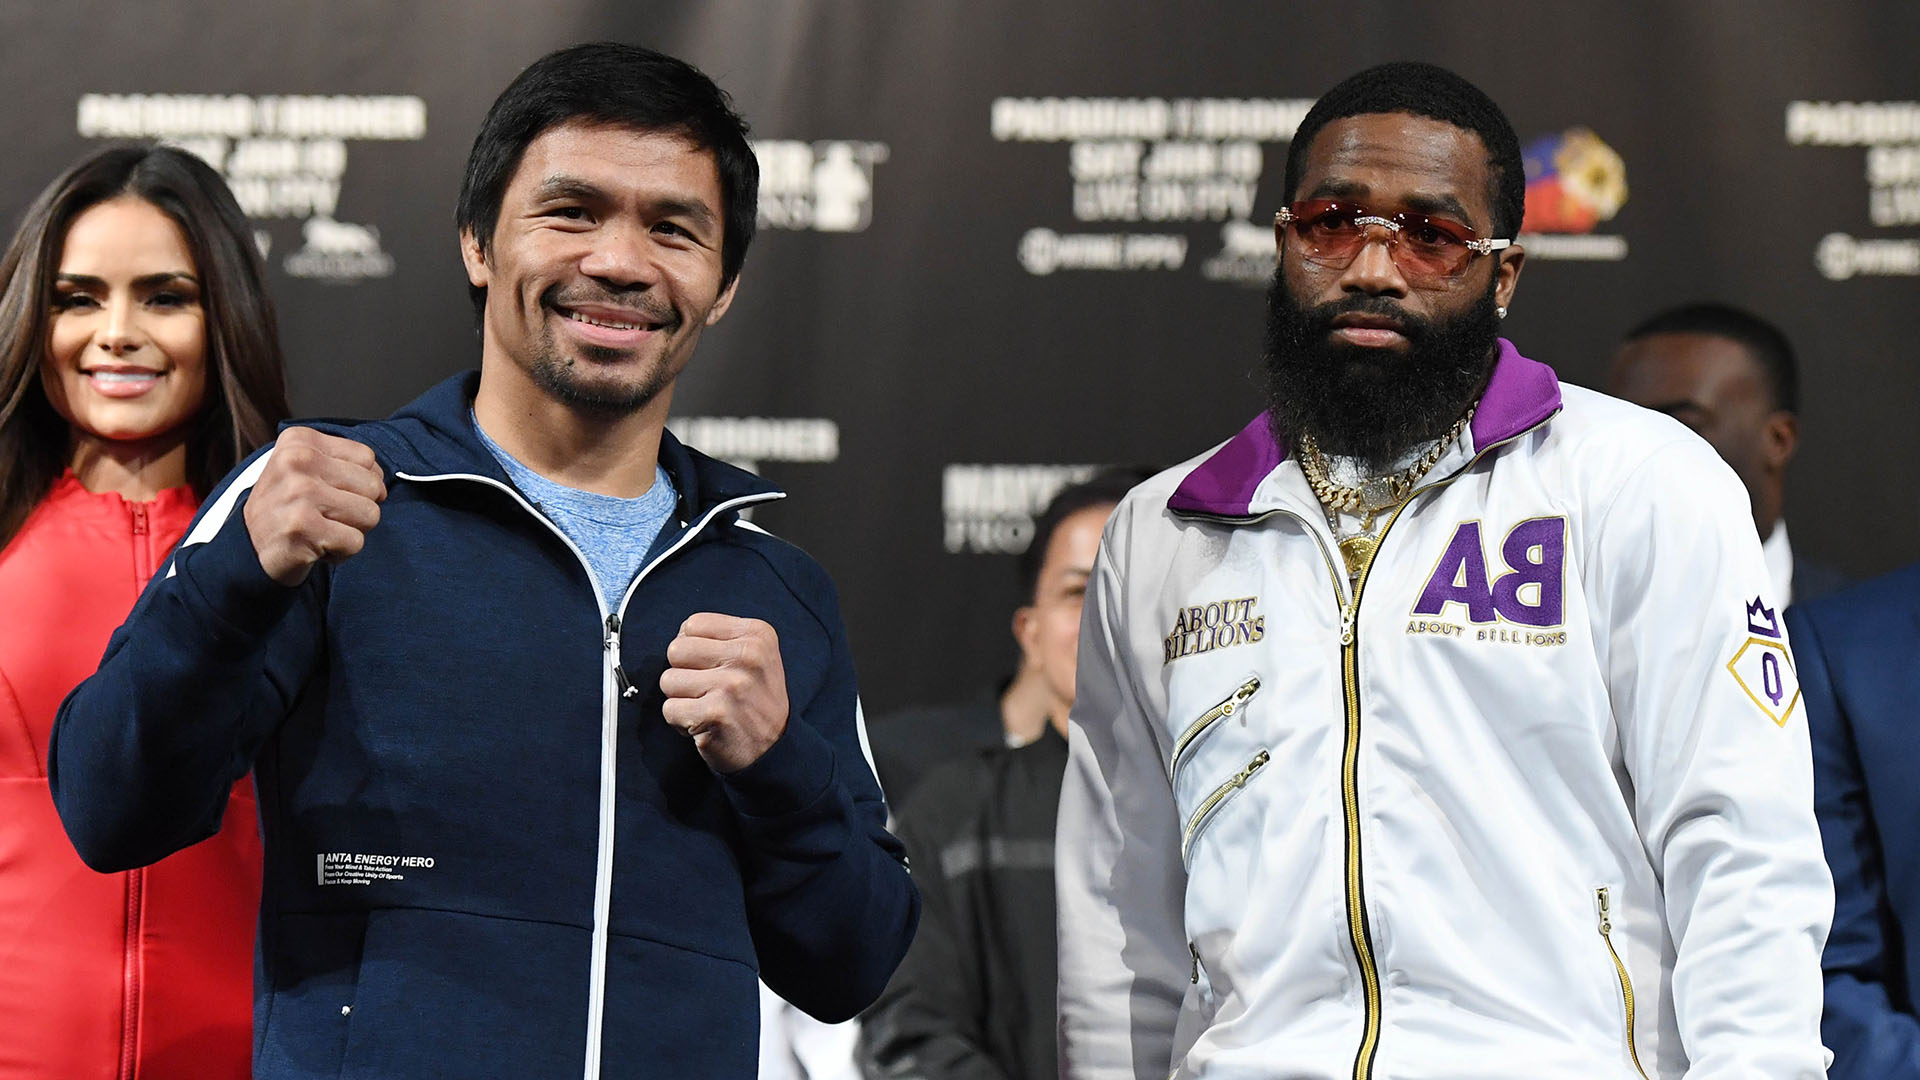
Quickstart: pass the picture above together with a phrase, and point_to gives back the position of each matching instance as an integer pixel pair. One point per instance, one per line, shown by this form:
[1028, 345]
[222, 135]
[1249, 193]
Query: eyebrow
[1418, 202]
[144, 281]
[566, 187]
[562, 186]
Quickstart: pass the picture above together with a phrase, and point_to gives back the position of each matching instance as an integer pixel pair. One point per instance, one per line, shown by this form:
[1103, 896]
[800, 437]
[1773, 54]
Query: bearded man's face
[1370, 356]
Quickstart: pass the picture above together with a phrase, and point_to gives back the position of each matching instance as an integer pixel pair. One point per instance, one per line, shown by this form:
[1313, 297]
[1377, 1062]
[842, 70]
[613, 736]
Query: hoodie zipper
[614, 685]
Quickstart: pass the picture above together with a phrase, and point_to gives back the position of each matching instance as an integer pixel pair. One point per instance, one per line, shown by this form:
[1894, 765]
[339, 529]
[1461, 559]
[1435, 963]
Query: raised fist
[726, 688]
[316, 499]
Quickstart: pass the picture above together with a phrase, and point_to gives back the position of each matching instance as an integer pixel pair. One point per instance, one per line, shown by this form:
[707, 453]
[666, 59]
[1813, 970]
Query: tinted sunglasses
[1428, 250]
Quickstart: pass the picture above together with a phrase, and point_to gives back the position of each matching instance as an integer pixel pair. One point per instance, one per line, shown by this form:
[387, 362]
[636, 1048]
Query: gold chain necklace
[1374, 494]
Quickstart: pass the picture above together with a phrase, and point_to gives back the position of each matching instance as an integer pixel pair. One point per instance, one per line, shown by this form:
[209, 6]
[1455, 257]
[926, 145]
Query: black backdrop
[1003, 240]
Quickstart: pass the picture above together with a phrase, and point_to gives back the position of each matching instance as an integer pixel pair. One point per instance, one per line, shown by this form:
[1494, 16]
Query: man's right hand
[316, 499]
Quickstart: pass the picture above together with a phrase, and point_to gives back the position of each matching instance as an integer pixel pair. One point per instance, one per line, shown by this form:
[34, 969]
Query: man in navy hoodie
[554, 751]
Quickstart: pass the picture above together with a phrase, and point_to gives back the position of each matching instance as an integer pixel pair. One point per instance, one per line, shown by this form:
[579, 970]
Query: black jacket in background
[911, 743]
[975, 998]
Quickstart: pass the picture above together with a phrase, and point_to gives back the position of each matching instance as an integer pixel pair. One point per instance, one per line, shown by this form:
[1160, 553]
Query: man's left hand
[726, 688]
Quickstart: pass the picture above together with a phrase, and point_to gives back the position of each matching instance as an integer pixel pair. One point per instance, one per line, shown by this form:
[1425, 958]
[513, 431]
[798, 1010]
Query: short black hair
[607, 82]
[1104, 488]
[1772, 353]
[1408, 86]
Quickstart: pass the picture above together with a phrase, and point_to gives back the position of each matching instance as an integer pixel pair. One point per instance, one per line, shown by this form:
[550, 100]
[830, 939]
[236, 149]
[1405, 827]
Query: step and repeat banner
[1003, 243]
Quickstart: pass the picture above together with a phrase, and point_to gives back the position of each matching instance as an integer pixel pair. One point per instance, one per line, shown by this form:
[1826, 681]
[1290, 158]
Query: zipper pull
[627, 689]
[1195, 951]
[1606, 911]
[1346, 623]
[139, 520]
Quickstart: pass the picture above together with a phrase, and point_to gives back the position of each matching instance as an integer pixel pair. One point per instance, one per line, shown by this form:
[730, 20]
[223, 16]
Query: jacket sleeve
[829, 902]
[146, 751]
[928, 1025]
[1871, 1039]
[1121, 885]
[1722, 784]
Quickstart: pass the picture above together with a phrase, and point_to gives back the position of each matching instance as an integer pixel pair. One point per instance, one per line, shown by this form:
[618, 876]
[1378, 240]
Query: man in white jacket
[1441, 723]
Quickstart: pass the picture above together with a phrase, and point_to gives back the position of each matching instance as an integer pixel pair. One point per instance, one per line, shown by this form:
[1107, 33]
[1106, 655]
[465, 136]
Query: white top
[1567, 685]
[795, 1046]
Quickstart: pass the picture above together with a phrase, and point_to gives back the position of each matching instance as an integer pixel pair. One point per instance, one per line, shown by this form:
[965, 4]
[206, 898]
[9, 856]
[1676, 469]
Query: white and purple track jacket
[1532, 800]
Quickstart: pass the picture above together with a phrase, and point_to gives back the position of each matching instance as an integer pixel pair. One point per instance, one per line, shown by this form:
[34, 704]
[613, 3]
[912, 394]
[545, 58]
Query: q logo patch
[1764, 668]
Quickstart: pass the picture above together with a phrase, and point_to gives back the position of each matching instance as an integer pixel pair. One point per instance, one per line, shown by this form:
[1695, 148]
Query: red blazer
[144, 975]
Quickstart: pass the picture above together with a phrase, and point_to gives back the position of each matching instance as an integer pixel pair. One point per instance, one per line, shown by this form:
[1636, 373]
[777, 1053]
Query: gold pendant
[1358, 552]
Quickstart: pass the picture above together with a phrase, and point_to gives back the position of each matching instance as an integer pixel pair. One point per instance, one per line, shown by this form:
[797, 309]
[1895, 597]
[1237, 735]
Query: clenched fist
[316, 499]
[726, 688]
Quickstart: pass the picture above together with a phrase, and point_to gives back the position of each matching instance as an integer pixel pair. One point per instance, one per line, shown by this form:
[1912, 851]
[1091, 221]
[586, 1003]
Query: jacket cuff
[226, 574]
[796, 772]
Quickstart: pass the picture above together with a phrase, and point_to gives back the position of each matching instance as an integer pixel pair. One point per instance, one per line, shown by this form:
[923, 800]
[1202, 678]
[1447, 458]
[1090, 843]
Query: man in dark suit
[1856, 652]
[1730, 376]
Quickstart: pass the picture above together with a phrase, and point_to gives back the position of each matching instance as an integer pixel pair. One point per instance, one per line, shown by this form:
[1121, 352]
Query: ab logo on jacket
[1532, 592]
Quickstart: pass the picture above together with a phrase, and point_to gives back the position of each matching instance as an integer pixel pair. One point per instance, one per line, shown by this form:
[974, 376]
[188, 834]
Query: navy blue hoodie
[485, 857]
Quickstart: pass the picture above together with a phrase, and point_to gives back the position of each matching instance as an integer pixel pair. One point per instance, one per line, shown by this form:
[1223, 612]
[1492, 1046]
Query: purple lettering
[1547, 537]
[1461, 578]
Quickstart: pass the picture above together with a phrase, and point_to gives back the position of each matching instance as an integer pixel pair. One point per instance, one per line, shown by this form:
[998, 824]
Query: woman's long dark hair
[246, 374]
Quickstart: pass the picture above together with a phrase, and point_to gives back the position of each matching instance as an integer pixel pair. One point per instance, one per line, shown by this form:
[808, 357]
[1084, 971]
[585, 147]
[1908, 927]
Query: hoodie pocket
[1603, 898]
[1210, 807]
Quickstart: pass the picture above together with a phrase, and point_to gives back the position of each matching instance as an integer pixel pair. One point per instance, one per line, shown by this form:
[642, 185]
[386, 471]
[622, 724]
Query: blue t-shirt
[614, 534]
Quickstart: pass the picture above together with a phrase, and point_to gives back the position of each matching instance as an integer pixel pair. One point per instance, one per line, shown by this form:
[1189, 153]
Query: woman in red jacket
[139, 360]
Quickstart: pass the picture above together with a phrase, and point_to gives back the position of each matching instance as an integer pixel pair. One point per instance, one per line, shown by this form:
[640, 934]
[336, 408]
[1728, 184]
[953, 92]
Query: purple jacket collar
[1520, 395]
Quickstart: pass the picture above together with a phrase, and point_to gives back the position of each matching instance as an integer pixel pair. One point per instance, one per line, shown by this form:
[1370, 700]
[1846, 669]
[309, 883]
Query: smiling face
[604, 266]
[1367, 360]
[126, 356]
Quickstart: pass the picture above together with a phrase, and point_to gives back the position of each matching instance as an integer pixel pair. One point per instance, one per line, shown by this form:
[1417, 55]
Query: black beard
[554, 370]
[1367, 403]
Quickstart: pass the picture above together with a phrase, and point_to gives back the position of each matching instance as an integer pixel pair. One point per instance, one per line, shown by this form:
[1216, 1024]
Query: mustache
[644, 306]
[1318, 320]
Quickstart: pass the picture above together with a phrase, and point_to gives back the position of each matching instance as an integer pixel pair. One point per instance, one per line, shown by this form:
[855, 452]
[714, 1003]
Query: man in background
[913, 742]
[1730, 376]
[974, 998]
[1855, 652]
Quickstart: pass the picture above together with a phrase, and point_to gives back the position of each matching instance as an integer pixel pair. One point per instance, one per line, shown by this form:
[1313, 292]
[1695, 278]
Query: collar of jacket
[1520, 394]
[435, 435]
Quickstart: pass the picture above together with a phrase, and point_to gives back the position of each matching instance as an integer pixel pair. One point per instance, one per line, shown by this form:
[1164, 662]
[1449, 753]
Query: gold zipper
[1220, 794]
[1357, 927]
[1626, 984]
[1219, 712]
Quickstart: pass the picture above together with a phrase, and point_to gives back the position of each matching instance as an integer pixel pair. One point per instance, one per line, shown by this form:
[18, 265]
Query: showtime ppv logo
[990, 509]
[818, 186]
